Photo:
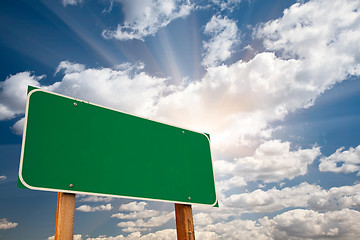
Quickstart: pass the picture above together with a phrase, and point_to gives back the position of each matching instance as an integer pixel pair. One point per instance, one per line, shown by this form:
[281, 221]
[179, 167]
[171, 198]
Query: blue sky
[275, 83]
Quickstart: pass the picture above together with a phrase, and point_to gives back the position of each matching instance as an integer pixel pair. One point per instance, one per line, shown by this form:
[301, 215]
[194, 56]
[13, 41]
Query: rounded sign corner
[34, 90]
[25, 183]
[207, 136]
[216, 203]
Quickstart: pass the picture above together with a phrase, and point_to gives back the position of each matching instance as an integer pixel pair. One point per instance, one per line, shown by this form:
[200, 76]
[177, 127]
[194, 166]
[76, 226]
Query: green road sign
[78, 147]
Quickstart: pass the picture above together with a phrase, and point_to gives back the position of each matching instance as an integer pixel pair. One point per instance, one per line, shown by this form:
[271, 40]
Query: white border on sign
[100, 194]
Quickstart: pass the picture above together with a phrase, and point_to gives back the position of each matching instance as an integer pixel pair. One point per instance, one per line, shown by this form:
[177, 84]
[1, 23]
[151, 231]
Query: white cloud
[71, 2]
[133, 206]
[95, 199]
[75, 237]
[125, 89]
[156, 221]
[206, 235]
[166, 234]
[307, 196]
[273, 199]
[342, 161]
[87, 208]
[13, 93]
[144, 18]
[5, 224]
[131, 92]
[146, 213]
[272, 161]
[237, 103]
[236, 229]
[233, 182]
[309, 224]
[18, 127]
[227, 5]
[3, 178]
[335, 198]
[224, 35]
[304, 195]
[202, 219]
[296, 224]
[139, 212]
[135, 229]
[323, 35]
[69, 67]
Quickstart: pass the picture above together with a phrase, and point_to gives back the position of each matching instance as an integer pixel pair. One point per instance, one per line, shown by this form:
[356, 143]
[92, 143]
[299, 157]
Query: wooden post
[184, 222]
[65, 210]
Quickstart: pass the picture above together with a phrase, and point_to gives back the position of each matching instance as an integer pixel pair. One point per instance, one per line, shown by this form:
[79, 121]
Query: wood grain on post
[184, 222]
[65, 210]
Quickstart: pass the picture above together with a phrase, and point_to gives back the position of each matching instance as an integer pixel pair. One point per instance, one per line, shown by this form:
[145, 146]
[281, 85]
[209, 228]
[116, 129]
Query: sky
[276, 84]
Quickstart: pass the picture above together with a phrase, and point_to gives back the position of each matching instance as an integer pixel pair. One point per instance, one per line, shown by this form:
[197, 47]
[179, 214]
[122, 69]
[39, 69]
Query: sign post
[184, 222]
[65, 211]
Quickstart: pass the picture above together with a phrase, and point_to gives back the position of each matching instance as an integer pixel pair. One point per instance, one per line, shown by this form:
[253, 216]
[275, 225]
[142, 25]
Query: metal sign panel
[79, 147]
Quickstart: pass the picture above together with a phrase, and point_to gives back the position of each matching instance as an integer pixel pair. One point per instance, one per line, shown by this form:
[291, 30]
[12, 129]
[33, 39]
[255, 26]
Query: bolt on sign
[78, 147]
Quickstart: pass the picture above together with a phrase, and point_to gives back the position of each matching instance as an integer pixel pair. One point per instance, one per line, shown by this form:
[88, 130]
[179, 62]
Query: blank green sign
[75, 146]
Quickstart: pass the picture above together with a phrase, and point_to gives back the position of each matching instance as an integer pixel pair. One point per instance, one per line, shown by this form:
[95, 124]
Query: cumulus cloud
[145, 218]
[6, 224]
[87, 208]
[133, 206]
[13, 94]
[202, 219]
[95, 199]
[18, 127]
[335, 198]
[166, 234]
[319, 33]
[146, 213]
[342, 161]
[223, 36]
[273, 199]
[69, 67]
[71, 2]
[231, 183]
[309, 224]
[237, 229]
[249, 95]
[227, 5]
[144, 18]
[125, 89]
[272, 161]
[297, 224]
[237, 103]
[75, 237]
[157, 221]
[135, 92]
[304, 195]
